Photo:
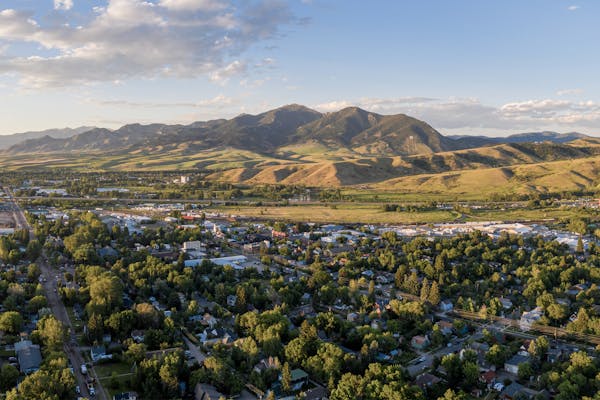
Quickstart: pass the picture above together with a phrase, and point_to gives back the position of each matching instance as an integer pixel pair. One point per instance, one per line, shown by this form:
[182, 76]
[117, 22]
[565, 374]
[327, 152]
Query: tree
[525, 371]
[136, 352]
[496, 355]
[434, 294]
[286, 378]
[453, 367]
[451, 395]
[55, 382]
[8, 377]
[579, 249]
[470, 373]
[425, 290]
[106, 293]
[51, 332]
[11, 322]
[36, 303]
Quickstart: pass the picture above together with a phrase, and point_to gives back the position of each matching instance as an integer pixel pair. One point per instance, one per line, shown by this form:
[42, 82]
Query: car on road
[421, 359]
[83, 369]
[77, 389]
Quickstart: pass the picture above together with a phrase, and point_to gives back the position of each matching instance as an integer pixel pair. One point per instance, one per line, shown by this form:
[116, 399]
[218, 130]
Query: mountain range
[297, 145]
[7, 141]
[351, 128]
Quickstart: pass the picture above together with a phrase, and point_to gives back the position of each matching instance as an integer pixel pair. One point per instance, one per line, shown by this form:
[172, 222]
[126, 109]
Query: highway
[49, 283]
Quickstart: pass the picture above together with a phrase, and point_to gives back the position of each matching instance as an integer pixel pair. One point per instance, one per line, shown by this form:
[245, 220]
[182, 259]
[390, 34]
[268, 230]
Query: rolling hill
[296, 145]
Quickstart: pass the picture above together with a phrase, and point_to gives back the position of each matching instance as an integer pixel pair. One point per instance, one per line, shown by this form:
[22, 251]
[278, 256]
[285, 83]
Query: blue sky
[465, 67]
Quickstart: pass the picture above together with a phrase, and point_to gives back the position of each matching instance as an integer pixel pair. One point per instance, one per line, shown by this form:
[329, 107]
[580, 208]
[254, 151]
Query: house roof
[488, 376]
[426, 379]
[517, 359]
[420, 339]
[512, 389]
[29, 356]
[298, 374]
[204, 391]
[315, 394]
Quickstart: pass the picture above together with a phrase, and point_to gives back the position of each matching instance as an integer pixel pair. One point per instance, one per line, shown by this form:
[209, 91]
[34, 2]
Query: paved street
[196, 353]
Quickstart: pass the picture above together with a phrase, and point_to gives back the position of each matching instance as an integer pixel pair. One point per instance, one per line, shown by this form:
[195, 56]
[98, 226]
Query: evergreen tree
[286, 378]
[579, 248]
[434, 294]
[425, 290]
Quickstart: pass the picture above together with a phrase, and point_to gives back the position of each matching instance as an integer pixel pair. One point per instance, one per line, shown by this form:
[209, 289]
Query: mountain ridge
[9, 140]
[297, 145]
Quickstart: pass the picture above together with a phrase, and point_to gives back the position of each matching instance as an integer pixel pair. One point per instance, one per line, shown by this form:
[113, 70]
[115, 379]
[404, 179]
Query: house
[576, 289]
[29, 356]
[512, 391]
[426, 380]
[352, 317]
[299, 378]
[318, 393]
[125, 396]
[445, 327]
[98, 353]
[446, 305]
[203, 391]
[554, 355]
[530, 317]
[420, 342]
[512, 365]
[192, 245]
[209, 320]
[231, 300]
[267, 363]
[506, 303]
[137, 336]
[489, 378]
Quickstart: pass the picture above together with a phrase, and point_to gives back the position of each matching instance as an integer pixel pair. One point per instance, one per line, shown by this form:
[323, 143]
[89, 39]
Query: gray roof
[204, 391]
[512, 389]
[29, 356]
[517, 360]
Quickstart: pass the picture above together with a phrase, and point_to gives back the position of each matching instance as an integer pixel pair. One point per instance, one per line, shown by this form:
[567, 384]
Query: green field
[373, 214]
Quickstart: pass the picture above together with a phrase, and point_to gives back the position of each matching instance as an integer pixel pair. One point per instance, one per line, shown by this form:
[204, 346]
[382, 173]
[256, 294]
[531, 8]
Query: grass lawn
[124, 382]
[77, 323]
[371, 213]
[344, 213]
[105, 370]
[525, 214]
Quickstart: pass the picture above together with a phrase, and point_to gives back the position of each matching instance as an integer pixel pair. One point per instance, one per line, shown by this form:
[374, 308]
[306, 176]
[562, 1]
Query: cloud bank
[138, 38]
[473, 115]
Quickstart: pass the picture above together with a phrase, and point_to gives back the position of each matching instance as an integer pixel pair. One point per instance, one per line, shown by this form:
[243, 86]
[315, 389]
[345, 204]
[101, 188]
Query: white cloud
[568, 92]
[217, 102]
[221, 76]
[193, 5]
[63, 4]
[573, 8]
[470, 115]
[139, 38]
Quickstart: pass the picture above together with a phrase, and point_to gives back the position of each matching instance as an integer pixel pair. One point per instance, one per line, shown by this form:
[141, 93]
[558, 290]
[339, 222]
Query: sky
[463, 66]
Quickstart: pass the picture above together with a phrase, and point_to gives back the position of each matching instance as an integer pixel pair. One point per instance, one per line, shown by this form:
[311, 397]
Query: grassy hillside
[504, 168]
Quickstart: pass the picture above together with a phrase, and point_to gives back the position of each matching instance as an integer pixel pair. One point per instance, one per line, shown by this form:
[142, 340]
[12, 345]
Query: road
[416, 367]
[196, 353]
[49, 283]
